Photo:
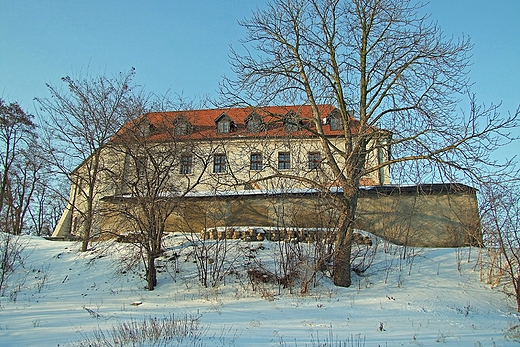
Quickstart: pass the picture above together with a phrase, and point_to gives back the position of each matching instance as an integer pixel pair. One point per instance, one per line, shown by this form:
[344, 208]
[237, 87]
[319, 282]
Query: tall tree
[79, 122]
[27, 173]
[149, 190]
[48, 201]
[381, 62]
[17, 136]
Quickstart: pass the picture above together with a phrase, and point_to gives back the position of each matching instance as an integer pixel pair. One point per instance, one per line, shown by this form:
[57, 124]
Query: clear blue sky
[182, 46]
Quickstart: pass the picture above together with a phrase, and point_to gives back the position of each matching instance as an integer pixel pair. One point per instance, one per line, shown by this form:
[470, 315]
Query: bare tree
[149, 188]
[27, 174]
[47, 205]
[79, 121]
[21, 171]
[384, 66]
[19, 167]
[501, 222]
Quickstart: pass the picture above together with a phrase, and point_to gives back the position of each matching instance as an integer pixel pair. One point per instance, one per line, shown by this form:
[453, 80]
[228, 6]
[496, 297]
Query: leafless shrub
[262, 281]
[215, 258]
[154, 331]
[363, 256]
[295, 265]
[41, 276]
[333, 340]
[11, 259]
[513, 333]
[398, 258]
[257, 276]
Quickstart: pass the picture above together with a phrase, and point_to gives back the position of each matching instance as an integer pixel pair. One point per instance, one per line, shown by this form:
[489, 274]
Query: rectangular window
[284, 160]
[141, 164]
[223, 127]
[254, 125]
[186, 164]
[336, 123]
[145, 129]
[314, 160]
[181, 128]
[291, 125]
[256, 161]
[219, 163]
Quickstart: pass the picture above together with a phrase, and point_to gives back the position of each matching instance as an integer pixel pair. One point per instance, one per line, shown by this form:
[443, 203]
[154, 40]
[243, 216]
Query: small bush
[11, 260]
[152, 331]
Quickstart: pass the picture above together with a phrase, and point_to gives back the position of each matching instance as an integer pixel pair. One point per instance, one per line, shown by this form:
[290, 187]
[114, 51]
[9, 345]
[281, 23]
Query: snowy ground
[435, 300]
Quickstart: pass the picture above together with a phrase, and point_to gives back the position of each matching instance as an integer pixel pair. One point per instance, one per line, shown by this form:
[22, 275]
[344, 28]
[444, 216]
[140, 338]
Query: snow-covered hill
[434, 298]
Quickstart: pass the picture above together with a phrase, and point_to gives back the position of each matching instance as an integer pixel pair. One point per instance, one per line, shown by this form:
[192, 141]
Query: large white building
[213, 151]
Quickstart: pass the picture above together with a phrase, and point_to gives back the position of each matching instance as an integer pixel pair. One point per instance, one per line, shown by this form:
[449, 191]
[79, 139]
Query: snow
[432, 298]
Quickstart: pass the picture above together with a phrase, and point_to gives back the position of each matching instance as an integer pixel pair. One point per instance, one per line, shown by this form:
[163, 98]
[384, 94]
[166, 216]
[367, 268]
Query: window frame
[224, 126]
[141, 166]
[254, 123]
[314, 160]
[145, 129]
[186, 165]
[256, 161]
[219, 163]
[336, 123]
[284, 160]
[292, 122]
[181, 128]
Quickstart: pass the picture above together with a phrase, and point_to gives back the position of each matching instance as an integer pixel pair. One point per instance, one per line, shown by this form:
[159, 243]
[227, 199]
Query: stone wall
[439, 215]
[424, 216]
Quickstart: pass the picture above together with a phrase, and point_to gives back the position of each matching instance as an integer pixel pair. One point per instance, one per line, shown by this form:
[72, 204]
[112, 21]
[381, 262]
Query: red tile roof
[203, 122]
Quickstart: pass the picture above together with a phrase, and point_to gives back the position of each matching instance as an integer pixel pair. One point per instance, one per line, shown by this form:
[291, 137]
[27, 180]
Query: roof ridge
[237, 108]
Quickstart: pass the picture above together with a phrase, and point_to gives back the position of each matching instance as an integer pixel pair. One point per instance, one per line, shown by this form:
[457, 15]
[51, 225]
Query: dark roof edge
[421, 189]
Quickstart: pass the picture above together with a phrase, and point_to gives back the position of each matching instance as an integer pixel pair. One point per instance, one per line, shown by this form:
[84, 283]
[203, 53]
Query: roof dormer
[335, 121]
[182, 126]
[254, 122]
[292, 121]
[225, 124]
[145, 128]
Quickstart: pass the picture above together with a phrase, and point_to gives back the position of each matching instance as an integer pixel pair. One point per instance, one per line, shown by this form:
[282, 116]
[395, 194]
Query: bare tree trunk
[342, 252]
[92, 174]
[151, 272]
[4, 182]
[516, 285]
[85, 233]
[87, 223]
[155, 242]
[343, 239]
